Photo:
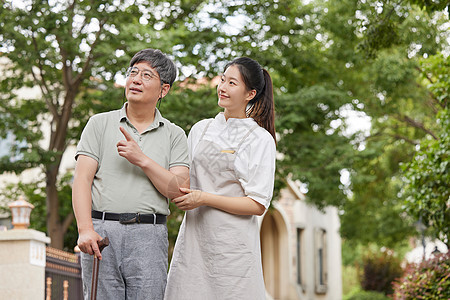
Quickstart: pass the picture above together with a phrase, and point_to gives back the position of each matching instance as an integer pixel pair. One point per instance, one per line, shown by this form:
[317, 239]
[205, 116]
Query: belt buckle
[128, 218]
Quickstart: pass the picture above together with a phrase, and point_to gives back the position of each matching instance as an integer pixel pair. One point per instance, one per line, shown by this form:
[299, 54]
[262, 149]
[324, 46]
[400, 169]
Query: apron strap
[245, 136]
[206, 129]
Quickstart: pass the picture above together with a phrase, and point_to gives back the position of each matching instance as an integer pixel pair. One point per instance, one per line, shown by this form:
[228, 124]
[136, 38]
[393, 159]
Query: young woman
[217, 254]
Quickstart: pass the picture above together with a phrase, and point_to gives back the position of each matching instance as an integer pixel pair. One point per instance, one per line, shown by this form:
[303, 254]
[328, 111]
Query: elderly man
[129, 163]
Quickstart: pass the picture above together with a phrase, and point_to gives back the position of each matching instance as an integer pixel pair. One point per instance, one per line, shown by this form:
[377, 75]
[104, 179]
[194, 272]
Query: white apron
[217, 254]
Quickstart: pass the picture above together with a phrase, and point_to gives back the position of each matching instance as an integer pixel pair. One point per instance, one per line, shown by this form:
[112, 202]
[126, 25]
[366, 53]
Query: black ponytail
[262, 107]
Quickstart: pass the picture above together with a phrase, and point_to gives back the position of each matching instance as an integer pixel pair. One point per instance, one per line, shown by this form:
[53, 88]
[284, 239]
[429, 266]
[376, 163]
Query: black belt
[129, 218]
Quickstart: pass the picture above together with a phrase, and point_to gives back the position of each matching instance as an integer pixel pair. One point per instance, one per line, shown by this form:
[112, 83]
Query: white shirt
[255, 160]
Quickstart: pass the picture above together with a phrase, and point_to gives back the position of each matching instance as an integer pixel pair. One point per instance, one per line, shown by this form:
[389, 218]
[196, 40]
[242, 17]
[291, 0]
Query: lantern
[20, 213]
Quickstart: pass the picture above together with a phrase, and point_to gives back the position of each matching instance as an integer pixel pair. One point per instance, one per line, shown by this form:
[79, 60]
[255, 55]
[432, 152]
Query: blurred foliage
[431, 5]
[387, 19]
[405, 109]
[355, 255]
[427, 181]
[379, 270]
[350, 281]
[427, 176]
[366, 295]
[200, 104]
[303, 123]
[428, 280]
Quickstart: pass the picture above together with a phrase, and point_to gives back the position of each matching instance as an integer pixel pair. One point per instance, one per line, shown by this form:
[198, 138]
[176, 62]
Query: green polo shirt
[119, 186]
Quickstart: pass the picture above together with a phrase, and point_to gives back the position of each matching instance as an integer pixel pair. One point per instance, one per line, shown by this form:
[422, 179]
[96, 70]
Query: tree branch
[425, 74]
[373, 135]
[396, 136]
[42, 84]
[415, 124]
[87, 63]
[389, 13]
[432, 101]
[436, 101]
[47, 98]
[67, 68]
[72, 7]
[185, 13]
[401, 137]
[71, 10]
[72, 86]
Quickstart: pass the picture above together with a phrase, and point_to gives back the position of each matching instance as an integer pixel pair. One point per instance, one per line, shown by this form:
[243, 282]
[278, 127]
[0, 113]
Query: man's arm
[85, 169]
[167, 182]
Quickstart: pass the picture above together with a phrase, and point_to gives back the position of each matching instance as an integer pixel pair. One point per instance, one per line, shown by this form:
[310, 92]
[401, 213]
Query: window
[320, 238]
[300, 257]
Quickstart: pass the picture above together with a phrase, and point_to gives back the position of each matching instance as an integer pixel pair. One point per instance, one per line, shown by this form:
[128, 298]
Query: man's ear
[165, 87]
[251, 95]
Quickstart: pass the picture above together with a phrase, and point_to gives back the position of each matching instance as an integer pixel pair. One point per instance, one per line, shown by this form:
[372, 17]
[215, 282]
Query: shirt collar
[123, 112]
[157, 122]
[220, 118]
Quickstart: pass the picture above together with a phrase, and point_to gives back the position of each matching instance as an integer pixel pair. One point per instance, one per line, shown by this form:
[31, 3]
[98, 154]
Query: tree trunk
[54, 226]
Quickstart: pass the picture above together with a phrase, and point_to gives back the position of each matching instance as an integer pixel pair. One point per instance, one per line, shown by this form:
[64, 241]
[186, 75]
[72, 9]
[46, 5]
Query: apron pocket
[229, 255]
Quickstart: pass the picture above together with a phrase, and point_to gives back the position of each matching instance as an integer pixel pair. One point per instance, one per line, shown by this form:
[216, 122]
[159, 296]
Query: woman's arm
[233, 205]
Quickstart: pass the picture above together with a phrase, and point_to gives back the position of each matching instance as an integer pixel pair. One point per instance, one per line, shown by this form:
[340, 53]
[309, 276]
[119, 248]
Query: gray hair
[159, 61]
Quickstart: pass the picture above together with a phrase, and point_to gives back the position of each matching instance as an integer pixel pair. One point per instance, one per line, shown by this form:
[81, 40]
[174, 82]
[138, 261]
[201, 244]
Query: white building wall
[296, 213]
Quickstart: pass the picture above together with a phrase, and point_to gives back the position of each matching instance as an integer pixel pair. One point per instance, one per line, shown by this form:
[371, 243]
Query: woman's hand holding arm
[234, 205]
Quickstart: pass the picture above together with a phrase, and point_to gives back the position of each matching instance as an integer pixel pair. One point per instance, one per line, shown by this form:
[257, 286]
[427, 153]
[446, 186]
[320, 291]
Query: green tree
[431, 5]
[426, 175]
[290, 39]
[383, 25]
[402, 112]
[60, 48]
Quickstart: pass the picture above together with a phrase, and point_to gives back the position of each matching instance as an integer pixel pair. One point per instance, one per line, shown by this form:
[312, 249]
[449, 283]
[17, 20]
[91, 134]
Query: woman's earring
[248, 110]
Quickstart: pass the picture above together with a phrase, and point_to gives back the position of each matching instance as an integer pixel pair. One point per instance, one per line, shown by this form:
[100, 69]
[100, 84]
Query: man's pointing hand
[129, 149]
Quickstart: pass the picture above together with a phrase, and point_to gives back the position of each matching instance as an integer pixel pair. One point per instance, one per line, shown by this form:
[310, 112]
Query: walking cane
[101, 244]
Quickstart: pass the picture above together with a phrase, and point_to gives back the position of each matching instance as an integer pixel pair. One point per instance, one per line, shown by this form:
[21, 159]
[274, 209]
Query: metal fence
[62, 275]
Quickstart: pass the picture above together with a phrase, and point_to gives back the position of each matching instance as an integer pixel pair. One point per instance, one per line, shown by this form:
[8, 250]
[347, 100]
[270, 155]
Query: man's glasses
[146, 75]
